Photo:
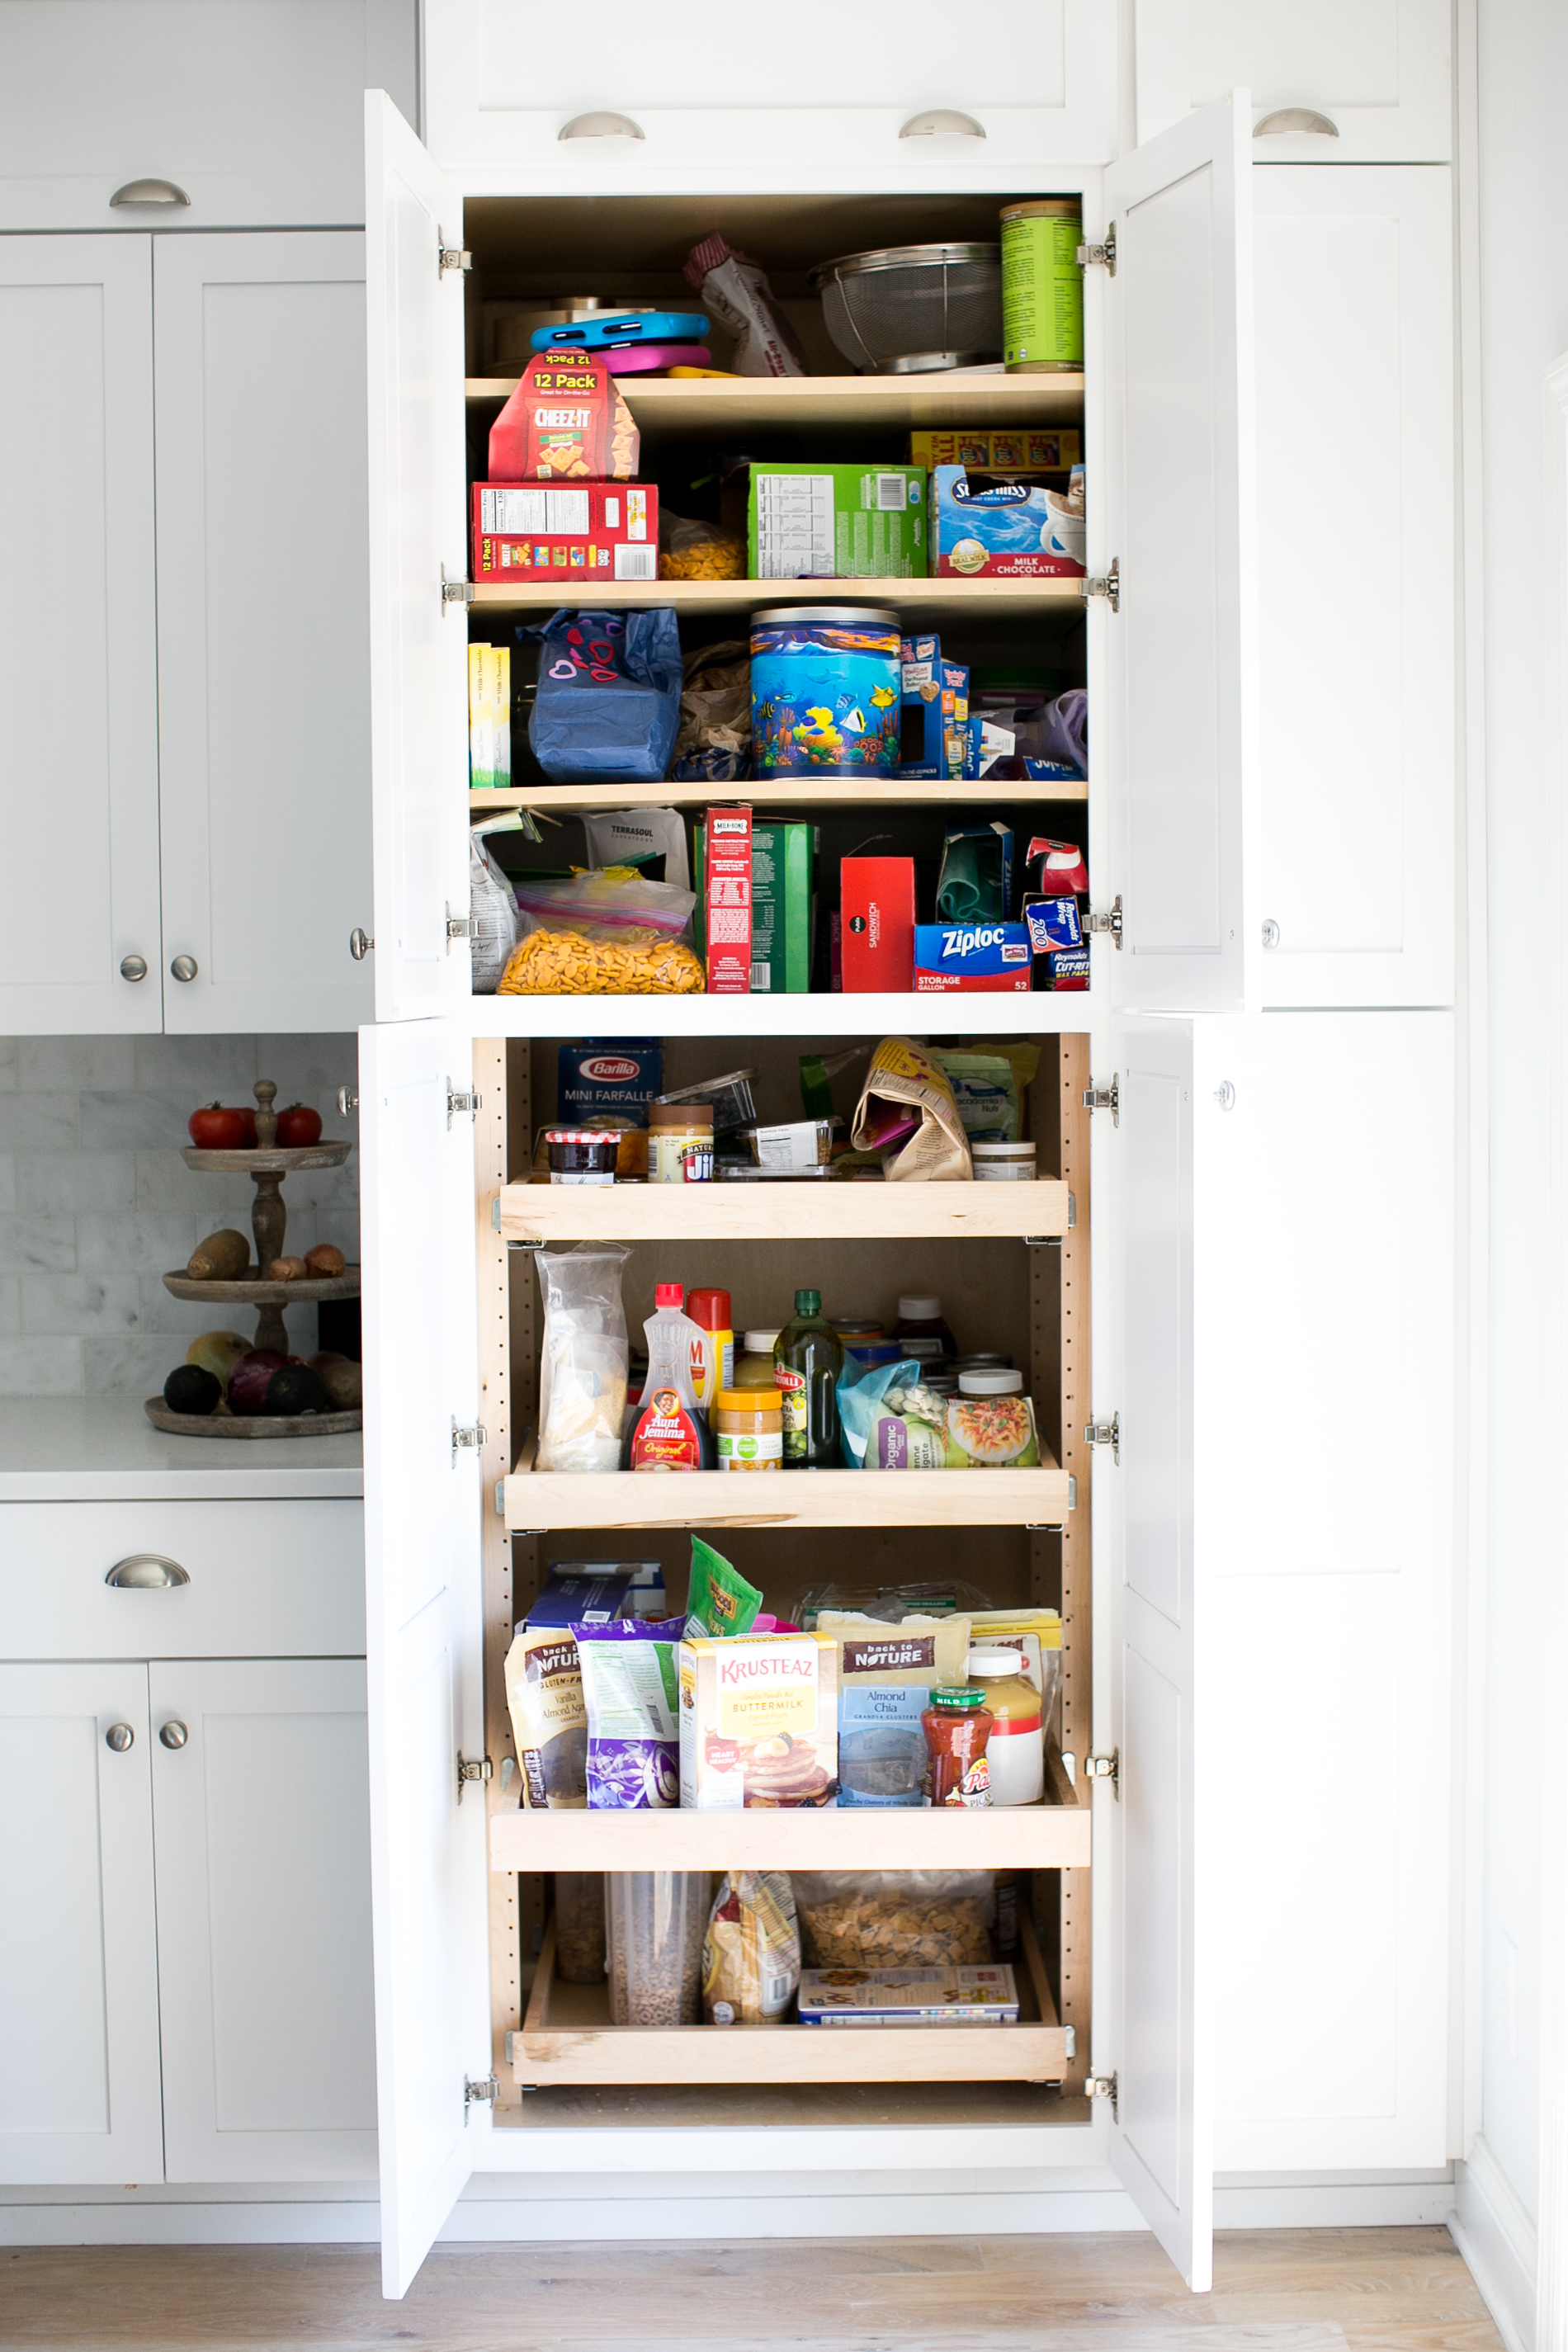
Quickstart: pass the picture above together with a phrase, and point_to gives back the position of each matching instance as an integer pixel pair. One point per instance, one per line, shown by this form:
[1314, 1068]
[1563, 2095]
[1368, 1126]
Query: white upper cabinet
[729, 98]
[250, 108]
[1377, 74]
[1356, 585]
[263, 630]
[78, 665]
[1176, 517]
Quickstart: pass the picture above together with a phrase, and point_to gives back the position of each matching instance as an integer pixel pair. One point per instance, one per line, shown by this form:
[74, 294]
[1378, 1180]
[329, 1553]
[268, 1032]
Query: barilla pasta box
[566, 422]
[727, 908]
[1005, 527]
[604, 531]
[1029, 449]
[982, 956]
[602, 1077]
[759, 1721]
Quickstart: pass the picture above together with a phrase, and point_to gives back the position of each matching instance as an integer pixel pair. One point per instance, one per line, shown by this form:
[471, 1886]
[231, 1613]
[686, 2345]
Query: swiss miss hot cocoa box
[566, 422]
[759, 1721]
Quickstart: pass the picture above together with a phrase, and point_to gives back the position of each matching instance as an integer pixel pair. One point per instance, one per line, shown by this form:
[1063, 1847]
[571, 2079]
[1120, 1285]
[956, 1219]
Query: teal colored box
[837, 522]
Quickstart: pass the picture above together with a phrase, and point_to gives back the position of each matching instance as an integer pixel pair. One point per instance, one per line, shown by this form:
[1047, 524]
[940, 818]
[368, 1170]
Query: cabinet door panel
[1379, 70]
[1332, 1630]
[79, 718]
[79, 1964]
[263, 629]
[1356, 584]
[263, 1838]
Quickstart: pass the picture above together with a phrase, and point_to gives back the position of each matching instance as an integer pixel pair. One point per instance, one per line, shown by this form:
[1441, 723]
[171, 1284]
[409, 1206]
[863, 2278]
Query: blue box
[602, 1075]
[583, 1593]
[983, 956]
[934, 711]
[1053, 923]
[1015, 527]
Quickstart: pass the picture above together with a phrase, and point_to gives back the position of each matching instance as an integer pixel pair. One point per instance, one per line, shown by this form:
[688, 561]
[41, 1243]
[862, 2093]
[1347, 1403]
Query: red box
[877, 933]
[590, 530]
[728, 888]
[566, 422]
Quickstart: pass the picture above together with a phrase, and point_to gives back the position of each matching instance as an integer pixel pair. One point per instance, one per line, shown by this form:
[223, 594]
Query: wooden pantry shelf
[769, 792]
[782, 1212]
[923, 604]
[943, 1014]
[678, 407]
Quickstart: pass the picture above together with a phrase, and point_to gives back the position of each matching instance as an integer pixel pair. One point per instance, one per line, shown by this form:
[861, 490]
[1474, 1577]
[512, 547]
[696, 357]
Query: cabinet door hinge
[482, 2094]
[1106, 584]
[472, 1438]
[1100, 2087]
[1105, 1098]
[451, 256]
[454, 1101]
[1106, 920]
[1099, 257]
[459, 927]
[455, 592]
[473, 1767]
[1106, 1767]
[1105, 1432]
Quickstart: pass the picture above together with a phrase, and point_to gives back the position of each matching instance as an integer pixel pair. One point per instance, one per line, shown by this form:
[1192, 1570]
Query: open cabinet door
[1179, 496]
[424, 1632]
[1155, 2038]
[418, 533]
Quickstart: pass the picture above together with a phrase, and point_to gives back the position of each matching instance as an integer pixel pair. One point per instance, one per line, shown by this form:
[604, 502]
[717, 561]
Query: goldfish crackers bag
[566, 422]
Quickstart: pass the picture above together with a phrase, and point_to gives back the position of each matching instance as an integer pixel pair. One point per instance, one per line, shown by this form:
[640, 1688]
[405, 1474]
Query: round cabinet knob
[174, 1734]
[133, 966]
[360, 945]
[347, 1101]
[120, 1737]
[183, 967]
[1225, 1095]
[1272, 933]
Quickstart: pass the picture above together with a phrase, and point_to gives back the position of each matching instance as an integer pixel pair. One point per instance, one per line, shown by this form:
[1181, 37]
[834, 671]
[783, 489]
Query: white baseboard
[1497, 2239]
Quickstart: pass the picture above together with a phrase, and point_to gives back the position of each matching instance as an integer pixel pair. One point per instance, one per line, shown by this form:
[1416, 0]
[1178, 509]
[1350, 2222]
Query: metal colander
[908, 307]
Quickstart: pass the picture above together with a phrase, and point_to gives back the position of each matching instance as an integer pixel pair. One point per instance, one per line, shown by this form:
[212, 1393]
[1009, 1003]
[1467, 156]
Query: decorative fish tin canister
[825, 691]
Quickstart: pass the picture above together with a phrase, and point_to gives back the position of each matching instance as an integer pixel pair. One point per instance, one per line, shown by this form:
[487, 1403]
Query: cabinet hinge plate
[1105, 1432]
[456, 1101]
[469, 1439]
[1100, 2087]
[459, 927]
[473, 1767]
[1105, 584]
[1099, 257]
[455, 592]
[482, 2094]
[1107, 921]
[1105, 1098]
[1105, 1767]
[454, 257]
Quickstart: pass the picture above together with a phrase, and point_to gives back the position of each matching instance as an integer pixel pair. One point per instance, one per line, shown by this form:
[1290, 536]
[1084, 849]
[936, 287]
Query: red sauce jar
[957, 1725]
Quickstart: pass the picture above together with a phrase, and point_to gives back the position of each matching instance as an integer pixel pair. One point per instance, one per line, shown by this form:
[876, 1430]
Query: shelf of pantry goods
[920, 604]
[943, 1014]
[782, 1212]
[716, 406]
[891, 793]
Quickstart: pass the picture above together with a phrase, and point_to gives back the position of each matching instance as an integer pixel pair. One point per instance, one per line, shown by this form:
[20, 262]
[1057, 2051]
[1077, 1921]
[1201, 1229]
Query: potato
[343, 1386]
[325, 1260]
[223, 1256]
[286, 1269]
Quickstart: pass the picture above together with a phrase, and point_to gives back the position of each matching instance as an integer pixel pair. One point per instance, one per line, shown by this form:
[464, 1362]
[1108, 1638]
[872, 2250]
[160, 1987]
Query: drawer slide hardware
[1107, 921]
[1072, 1492]
[1105, 1432]
[1041, 1241]
[472, 1438]
[456, 1101]
[482, 2094]
[472, 1768]
[455, 592]
[1105, 1098]
[1101, 2086]
[1105, 1767]
[451, 256]
[1101, 256]
[1106, 584]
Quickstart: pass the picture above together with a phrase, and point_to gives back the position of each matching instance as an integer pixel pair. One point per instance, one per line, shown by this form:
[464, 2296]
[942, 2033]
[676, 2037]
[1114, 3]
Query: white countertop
[104, 1449]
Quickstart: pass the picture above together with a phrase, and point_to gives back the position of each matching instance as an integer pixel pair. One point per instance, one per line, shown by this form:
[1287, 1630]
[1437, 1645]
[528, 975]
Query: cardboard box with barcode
[783, 860]
[759, 1721]
[526, 531]
[837, 522]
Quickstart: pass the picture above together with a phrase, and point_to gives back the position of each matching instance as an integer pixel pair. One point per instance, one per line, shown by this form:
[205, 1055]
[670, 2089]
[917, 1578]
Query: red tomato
[248, 1120]
[299, 1126]
[216, 1130]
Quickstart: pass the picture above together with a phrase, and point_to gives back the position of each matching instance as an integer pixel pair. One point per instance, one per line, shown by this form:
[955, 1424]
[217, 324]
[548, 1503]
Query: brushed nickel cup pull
[150, 192]
[1285, 120]
[599, 126]
[183, 967]
[174, 1734]
[120, 1737]
[146, 1571]
[133, 966]
[941, 122]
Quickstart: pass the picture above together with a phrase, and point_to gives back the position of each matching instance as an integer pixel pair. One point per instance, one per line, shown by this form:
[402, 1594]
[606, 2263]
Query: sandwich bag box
[837, 522]
[606, 530]
[877, 923]
[993, 957]
[759, 1721]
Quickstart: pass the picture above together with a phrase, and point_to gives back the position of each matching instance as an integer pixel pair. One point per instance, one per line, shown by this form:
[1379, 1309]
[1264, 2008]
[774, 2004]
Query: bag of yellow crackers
[608, 933]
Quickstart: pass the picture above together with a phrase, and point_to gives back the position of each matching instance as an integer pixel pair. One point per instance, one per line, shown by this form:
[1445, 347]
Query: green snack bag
[719, 1601]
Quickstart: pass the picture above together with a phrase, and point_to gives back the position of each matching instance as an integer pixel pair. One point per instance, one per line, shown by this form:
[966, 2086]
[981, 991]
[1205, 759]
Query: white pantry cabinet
[724, 102]
[1377, 74]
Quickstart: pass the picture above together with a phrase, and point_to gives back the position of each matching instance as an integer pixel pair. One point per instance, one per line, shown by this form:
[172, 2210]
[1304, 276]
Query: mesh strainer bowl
[908, 308]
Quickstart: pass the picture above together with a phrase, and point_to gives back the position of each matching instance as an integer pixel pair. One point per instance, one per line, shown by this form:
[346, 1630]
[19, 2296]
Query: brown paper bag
[902, 1072]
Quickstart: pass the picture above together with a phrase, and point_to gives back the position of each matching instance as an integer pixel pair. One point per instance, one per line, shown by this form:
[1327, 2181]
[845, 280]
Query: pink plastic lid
[644, 359]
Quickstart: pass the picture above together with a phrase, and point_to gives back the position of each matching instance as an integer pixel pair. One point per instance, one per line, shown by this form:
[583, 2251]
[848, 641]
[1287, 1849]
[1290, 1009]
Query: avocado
[223, 1257]
[295, 1388]
[191, 1387]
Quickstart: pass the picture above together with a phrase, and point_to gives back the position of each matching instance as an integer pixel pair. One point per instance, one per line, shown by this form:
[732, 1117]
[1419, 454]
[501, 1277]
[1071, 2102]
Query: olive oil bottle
[808, 1356]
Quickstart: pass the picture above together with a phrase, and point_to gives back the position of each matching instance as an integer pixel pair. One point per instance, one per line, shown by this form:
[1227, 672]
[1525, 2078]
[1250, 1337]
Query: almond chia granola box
[759, 1721]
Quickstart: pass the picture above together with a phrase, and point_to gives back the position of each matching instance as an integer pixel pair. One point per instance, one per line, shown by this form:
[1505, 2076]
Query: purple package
[630, 1693]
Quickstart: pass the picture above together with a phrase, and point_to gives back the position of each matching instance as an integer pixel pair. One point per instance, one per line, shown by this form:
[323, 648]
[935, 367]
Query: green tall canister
[1042, 286]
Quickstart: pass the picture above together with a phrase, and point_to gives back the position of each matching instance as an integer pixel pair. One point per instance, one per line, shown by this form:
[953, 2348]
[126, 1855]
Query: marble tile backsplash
[96, 1203]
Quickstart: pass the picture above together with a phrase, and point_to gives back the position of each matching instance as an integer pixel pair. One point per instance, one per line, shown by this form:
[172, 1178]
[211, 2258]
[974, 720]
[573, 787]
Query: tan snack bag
[549, 1720]
[903, 1073]
[751, 1956]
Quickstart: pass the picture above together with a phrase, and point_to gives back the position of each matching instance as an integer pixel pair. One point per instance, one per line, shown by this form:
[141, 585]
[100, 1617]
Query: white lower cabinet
[79, 1960]
[264, 1962]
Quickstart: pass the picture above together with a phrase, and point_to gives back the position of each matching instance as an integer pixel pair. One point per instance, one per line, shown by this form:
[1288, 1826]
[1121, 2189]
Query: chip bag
[904, 1076]
[751, 1955]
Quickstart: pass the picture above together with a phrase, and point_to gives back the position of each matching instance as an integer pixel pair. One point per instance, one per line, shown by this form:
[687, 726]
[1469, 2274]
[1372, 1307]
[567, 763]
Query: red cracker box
[600, 531]
[566, 422]
[877, 935]
[727, 903]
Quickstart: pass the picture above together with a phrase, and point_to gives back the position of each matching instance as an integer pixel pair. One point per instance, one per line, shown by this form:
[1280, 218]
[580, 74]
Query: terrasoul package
[759, 1721]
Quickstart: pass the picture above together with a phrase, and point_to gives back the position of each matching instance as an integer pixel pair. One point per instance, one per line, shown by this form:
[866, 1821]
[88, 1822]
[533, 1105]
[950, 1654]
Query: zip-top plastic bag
[603, 934]
[582, 1364]
[887, 1420]
[494, 913]
[608, 698]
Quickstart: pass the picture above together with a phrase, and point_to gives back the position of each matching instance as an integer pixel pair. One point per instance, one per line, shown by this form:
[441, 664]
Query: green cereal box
[784, 872]
[837, 522]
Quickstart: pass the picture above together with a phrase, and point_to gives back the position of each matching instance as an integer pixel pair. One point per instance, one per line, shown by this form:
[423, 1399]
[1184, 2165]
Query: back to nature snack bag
[886, 1676]
[549, 1722]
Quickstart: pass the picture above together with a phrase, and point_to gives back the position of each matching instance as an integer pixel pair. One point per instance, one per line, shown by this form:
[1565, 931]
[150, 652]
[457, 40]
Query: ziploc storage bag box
[934, 711]
[837, 522]
[784, 864]
[985, 956]
[1014, 529]
[606, 530]
[759, 1721]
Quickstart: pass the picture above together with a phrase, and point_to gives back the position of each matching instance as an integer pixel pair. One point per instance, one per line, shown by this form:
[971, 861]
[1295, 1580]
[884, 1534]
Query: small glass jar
[681, 1143]
[957, 1726]
[581, 1155]
[1003, 1163]
[920, 1331]
[748, 1424]
[859, 1330]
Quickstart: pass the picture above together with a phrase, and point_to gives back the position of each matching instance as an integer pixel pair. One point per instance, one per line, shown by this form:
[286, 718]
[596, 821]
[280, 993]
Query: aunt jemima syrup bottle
[671, 1431]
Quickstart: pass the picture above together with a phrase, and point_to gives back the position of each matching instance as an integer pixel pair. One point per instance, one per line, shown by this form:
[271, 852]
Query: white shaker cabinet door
[79, 714]
[78, 1962]
[730, 100]
[1356, 584]
[261, 1799]
[1327, 1481]
[1376, 74]
[263, 630]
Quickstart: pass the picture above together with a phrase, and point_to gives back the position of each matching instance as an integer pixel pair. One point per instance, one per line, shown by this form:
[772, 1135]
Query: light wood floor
[1275, 2291]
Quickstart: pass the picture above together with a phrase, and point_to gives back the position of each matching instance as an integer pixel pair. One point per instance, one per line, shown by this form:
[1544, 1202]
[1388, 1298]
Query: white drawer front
[267, 1579]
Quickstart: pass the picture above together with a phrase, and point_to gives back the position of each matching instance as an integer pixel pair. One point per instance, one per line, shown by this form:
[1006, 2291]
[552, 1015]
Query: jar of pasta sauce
[957, 1725]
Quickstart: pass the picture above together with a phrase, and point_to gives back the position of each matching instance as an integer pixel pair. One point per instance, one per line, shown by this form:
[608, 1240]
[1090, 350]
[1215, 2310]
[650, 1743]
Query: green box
[784, 872]
[842, 522]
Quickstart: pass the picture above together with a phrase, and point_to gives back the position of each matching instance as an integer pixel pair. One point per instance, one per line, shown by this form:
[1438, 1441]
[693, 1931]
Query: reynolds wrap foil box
[990, 956]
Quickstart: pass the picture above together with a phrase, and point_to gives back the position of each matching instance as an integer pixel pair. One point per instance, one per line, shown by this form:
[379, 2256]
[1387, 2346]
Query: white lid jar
[1003, 1163]
[1015, 1749]
[995, 1383]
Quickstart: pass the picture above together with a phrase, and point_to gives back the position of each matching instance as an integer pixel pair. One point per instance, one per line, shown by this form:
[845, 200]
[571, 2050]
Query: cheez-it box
[567, 421]
[608, 530]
